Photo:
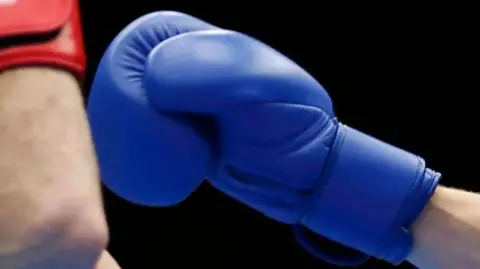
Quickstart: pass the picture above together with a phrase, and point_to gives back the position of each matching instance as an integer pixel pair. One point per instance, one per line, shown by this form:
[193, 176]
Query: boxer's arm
[51, 214]
[447, 235]
[106, 261]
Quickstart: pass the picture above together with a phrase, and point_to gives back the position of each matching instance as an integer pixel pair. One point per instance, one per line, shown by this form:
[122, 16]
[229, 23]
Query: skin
[106, 261]
[447, 235]
[51, 212]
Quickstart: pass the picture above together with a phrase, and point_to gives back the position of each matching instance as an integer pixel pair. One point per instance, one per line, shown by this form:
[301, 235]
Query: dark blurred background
[404, 76]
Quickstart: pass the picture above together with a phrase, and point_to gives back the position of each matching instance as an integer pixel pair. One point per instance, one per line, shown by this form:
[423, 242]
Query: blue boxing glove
[176, 100]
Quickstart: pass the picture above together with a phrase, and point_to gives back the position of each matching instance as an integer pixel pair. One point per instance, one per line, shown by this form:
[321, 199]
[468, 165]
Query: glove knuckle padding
[226, 69]
[140, 159]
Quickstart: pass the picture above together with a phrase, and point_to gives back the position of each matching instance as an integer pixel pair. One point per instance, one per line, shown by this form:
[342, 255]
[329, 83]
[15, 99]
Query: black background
[404, 77]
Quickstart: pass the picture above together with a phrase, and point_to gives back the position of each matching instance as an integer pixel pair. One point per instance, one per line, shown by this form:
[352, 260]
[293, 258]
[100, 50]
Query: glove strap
[369, 195]
[42, 33]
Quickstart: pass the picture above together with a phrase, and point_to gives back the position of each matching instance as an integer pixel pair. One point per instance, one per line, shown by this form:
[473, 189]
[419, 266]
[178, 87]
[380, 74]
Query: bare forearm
[447, 234]
[106, 261]
[49, 191]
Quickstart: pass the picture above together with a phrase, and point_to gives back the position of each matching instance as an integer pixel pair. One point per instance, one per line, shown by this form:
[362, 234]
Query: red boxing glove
[41, 33]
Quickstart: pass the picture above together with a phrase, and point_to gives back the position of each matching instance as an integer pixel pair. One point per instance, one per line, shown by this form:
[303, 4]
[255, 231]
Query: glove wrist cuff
[369, 195]
[42, 33]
